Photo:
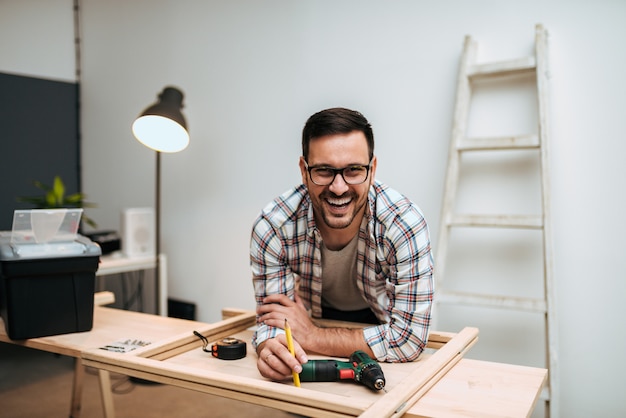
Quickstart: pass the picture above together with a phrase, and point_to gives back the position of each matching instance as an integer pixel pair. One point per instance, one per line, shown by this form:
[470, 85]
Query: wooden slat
[230, 312]
[103, 298]
[518, 66]
[255, 390]
[106, 395]
[468, 390]
[459, 128]
[77, 388]
[541, 51]
[498, 221]
[499, 143]
[184, 342]
[493, 301]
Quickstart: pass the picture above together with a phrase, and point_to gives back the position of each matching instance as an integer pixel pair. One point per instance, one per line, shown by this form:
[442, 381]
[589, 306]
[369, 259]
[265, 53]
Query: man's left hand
[276, 308]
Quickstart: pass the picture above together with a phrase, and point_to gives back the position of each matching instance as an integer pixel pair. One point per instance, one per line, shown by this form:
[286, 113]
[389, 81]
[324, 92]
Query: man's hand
[277, 308]
[276, 362]
[274, 359]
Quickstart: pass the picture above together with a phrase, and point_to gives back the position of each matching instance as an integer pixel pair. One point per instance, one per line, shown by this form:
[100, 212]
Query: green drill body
[360, 368]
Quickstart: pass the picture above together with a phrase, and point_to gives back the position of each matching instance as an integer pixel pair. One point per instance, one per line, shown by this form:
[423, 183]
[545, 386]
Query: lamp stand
[157, 229]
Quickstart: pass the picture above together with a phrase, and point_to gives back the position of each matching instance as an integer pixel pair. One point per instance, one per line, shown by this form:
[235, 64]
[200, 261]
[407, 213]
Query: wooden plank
[497, 221]
[227, 385]
[499, 143]
[475, 388]
[109, 325]
[459, 129]
[106, 395]
[77, 388]
[492, 301]
[103, 298]
[520, 66]
[541, 52]
[186, 341]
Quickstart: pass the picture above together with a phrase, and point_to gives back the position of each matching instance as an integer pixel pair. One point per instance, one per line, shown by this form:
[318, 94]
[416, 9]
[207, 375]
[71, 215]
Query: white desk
[118, 263]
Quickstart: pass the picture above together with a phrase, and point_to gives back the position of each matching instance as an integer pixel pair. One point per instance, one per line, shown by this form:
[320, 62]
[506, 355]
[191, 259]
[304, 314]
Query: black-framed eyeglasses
[353, 174]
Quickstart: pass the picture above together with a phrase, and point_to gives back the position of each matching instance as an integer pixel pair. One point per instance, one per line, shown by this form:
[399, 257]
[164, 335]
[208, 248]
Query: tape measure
[229, 349]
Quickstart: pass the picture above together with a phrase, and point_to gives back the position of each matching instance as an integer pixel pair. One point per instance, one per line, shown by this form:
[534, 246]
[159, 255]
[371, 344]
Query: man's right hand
[276, 362]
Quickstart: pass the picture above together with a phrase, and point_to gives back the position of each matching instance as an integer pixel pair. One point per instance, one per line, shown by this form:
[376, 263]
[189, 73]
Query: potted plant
[54, 197]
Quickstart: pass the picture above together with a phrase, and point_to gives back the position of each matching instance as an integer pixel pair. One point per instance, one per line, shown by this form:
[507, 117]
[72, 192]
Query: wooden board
[483, 389]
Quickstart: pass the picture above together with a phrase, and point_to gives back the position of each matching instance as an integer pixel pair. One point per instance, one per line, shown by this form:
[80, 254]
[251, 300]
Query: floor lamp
[162, 127]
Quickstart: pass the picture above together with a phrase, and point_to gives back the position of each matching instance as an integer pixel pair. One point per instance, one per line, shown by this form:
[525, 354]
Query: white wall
[254, 71]
[37, 39]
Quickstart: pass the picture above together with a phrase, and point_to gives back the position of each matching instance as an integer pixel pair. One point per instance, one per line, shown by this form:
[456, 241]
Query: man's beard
[344, 220]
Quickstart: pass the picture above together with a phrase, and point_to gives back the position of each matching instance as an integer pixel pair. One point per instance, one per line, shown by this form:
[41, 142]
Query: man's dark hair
[334, 121]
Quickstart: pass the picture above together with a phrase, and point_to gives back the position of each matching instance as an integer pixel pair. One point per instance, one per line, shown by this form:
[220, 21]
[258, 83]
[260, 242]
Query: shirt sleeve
[270, 273]
[407, 272]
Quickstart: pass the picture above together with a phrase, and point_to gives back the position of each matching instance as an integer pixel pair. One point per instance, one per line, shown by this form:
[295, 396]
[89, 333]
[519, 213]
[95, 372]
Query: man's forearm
[336, 342]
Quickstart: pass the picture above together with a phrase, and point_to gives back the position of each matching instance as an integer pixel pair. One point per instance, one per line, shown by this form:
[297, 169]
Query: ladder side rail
[459, 127]
[541, 52]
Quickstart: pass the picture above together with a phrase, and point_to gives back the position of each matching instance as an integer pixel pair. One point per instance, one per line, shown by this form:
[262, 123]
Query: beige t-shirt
[339, 289]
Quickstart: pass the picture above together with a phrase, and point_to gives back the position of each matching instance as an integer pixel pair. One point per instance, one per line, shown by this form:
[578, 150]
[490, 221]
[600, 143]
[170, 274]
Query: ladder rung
[499, 143]
[492, 301]
[503, 68]
[500, 221]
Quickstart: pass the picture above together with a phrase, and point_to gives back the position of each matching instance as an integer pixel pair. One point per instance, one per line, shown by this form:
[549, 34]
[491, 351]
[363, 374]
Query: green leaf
[54, 197]
[58, 189]
[51, 200]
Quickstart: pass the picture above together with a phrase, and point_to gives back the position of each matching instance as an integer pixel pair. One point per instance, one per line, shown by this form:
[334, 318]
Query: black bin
[48, 295]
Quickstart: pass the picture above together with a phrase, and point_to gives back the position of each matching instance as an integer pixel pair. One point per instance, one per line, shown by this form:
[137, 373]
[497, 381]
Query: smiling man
[340, 246]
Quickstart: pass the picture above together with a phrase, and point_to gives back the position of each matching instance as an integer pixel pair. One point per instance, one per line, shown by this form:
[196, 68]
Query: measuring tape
[229, 349]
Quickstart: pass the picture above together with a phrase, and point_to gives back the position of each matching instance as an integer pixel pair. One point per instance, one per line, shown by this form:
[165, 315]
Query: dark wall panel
[39, 139]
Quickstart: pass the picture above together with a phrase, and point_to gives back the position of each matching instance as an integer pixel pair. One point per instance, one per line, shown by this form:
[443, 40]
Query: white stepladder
[469, 73]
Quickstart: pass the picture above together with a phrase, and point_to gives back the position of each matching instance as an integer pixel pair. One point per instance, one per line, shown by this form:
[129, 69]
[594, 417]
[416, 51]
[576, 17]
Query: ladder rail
[542, 74]
[459, 125]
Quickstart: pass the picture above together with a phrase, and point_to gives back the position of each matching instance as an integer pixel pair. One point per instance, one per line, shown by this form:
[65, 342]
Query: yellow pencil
[296, 376]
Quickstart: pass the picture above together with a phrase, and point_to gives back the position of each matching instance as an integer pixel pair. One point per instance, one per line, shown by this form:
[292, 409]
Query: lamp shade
[162, 126]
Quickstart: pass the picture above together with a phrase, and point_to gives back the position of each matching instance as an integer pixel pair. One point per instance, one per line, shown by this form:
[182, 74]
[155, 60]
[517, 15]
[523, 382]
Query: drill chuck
[373, 377]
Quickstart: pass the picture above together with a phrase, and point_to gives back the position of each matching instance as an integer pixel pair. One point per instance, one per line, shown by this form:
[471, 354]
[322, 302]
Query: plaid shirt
[394, 266]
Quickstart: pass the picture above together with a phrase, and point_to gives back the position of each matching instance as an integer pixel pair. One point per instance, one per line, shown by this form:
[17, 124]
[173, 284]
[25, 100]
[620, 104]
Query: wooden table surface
[109, 325]
[470, 388]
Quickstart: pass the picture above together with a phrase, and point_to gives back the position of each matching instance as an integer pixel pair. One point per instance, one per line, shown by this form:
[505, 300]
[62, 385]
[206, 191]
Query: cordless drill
[361, 368]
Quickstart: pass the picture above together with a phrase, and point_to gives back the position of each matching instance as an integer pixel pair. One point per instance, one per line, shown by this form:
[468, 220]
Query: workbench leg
[77, 388]
[105, 393]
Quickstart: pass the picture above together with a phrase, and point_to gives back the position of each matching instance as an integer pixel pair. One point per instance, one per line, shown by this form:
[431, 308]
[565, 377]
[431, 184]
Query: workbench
[440, 383]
